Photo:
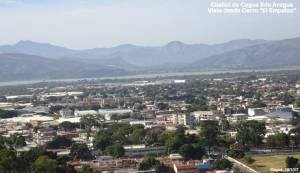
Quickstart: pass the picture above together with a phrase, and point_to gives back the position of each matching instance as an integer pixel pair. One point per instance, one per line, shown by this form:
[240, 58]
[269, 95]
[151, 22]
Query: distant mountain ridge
[29, 60]
[270, 54]
[173, 52]
[34, 48]
[30, 67]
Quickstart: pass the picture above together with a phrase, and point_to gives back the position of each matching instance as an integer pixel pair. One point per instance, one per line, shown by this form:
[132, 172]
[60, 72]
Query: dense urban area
[218, 123]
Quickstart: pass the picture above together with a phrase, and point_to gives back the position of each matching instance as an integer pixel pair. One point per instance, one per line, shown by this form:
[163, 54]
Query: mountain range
[270, 54]
[28, 60]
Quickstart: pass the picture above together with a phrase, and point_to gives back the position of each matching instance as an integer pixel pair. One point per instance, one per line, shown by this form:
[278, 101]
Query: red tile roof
[185, 167]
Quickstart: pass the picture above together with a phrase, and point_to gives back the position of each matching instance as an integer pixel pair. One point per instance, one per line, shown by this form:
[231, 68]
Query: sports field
[265, 163]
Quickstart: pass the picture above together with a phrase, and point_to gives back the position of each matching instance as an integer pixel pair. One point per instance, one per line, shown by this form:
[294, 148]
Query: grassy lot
[265, 163]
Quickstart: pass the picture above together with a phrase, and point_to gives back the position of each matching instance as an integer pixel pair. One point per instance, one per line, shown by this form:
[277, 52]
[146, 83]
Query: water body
[152, 75]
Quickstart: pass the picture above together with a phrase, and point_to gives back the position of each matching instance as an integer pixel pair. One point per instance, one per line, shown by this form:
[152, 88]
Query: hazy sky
[104, 23]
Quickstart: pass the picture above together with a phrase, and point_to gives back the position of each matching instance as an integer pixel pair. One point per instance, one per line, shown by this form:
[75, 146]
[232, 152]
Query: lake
[152, 75]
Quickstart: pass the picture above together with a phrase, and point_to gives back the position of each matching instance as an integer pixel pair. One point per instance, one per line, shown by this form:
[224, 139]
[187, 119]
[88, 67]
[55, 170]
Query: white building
[78, 113]
[71, 120]
[175, 156]
[146, 124]
[205, 115]
[61, 94]
[255, 111]
[177, 81]
[181, 119]
[235, 118]
[18, 97]
[108, 113]
[141, 150]
[297, 110]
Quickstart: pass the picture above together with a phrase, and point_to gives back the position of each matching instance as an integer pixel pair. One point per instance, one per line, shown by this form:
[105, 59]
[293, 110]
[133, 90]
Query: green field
[265, 163]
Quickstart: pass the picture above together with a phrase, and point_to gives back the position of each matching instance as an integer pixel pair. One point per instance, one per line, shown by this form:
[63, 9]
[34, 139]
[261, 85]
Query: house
[105, 160]
[206, 164]
[131, 170]
[175, 156]
[185, 168]
[60, 151]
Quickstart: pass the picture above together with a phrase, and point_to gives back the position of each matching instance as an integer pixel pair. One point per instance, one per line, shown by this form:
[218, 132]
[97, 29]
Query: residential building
[182, 119]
